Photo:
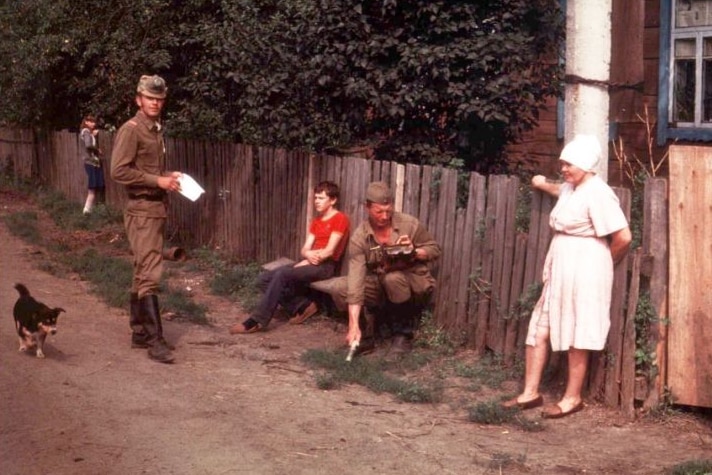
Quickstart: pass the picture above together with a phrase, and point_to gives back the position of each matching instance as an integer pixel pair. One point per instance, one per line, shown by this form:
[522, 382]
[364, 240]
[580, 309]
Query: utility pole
[588, 66]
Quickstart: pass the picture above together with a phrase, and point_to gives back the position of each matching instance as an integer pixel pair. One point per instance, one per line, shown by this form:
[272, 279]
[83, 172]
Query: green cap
[379, 192]
[152, 86]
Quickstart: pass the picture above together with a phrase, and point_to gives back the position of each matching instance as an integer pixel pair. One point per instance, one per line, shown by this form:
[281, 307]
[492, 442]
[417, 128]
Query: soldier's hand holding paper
[189, 187]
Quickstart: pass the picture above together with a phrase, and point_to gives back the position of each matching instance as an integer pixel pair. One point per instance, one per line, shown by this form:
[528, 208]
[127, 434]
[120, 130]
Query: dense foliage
[420, 81]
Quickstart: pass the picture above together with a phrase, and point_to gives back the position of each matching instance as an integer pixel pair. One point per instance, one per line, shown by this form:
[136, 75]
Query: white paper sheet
[189, 187]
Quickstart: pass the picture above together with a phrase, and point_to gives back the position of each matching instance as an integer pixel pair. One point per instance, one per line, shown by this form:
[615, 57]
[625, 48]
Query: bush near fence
[257, 206]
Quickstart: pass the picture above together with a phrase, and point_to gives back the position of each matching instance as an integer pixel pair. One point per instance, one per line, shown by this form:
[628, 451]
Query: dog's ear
[58, 310]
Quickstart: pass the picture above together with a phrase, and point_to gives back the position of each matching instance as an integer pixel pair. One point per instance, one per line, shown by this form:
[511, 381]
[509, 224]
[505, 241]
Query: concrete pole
[588, 66]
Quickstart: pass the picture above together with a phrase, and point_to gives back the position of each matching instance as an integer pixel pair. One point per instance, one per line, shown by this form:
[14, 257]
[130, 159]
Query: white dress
[578, 271]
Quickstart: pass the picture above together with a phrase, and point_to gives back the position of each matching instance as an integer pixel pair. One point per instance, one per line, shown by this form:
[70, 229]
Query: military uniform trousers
[396, 287]
[145, 235]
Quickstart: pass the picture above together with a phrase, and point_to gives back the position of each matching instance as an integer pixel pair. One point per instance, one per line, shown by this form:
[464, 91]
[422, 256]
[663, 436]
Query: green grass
[10, 181]
[368, 373]
[238, 282]
[23, 224]
[206, 259]
[492, 413]
[69, 216]
[432, 336]
[110, 276]
[692, 467]
[502, 460]
[180, 303]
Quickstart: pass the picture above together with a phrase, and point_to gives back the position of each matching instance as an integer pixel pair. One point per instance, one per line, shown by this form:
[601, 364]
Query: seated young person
[288, 286]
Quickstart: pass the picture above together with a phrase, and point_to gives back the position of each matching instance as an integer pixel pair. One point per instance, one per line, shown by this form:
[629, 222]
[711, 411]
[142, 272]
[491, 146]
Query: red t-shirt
[339, 223]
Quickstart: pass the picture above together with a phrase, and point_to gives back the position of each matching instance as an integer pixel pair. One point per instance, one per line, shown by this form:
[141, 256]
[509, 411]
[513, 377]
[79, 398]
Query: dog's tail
[23, 290]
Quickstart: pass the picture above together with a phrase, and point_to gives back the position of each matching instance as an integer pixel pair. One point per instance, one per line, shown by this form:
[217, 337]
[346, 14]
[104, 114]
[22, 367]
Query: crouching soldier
[388, 273]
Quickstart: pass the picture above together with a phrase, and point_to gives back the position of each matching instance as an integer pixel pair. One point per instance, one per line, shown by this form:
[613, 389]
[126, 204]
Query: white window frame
[667, 129]
[698, 34]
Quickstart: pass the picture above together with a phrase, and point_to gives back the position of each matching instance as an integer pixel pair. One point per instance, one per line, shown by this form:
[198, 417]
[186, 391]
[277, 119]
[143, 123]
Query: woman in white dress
[591, 235]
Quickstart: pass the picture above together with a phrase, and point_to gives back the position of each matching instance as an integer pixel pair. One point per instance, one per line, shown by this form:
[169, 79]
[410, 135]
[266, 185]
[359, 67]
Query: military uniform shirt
[137, 161]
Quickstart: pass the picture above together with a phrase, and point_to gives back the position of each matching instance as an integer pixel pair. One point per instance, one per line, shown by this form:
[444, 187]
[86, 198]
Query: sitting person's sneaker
[248, 326]
[301, 317]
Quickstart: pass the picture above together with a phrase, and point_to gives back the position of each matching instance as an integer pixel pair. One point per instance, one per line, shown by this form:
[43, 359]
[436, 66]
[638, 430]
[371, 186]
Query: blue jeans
[288, 286]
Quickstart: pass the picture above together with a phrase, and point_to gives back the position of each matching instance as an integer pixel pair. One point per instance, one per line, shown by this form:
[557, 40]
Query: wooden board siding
[626, 59]
[538, 149]
[655, 247]
[472, 258]
[616, 334]
[690, 300]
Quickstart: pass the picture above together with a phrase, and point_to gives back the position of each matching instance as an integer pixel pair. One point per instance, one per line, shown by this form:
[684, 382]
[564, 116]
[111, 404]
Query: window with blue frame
[685, 88]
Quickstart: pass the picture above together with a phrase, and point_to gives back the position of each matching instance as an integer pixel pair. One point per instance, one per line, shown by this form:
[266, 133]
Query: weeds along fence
[494, 233]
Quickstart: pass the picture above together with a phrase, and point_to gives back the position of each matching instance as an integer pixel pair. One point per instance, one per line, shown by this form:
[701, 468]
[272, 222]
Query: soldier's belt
[147, 197]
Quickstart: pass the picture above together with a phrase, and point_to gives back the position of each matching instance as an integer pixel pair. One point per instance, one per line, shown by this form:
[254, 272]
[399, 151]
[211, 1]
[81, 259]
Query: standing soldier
[138, 163]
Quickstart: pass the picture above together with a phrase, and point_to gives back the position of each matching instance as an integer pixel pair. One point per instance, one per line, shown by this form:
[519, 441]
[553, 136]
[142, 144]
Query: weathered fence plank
[424, 202]
[627, 401]
[538, 240]
[610, 360]
[689, 363]
[483, 283]
[458, 294]
[472, 253]
[511, 349]
[411, 193]
[444, 232]
[655, 243]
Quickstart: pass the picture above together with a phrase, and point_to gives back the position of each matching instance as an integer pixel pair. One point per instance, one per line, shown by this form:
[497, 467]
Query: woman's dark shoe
[555, 412]
[248, 326]
[514, 404]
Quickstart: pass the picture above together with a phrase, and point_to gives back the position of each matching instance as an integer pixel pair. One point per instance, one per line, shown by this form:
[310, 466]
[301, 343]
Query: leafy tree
[64, 59]
[441, 79]
[421, 81]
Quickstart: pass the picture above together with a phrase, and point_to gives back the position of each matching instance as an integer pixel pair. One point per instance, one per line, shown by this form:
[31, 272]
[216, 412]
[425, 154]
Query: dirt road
[247, 405]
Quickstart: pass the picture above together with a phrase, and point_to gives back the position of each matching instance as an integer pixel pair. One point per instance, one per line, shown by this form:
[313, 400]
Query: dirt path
[247, 405]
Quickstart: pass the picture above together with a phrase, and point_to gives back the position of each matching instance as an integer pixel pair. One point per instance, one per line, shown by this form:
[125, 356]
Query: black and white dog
[33, 320]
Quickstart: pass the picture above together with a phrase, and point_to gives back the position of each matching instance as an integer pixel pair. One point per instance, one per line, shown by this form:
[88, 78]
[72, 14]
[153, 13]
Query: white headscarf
[583, 151]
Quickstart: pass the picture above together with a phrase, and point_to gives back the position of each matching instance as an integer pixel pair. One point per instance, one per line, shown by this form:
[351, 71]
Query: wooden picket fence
[258, 203]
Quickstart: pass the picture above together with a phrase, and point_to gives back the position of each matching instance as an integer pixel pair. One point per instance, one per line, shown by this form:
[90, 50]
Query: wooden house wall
[635, 52]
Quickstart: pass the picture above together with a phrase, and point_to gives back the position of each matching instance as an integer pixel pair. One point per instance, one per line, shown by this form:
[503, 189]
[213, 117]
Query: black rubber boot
[401, 345]
[138, 334]
[367, 323]
[403, 317]
[158, 350]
